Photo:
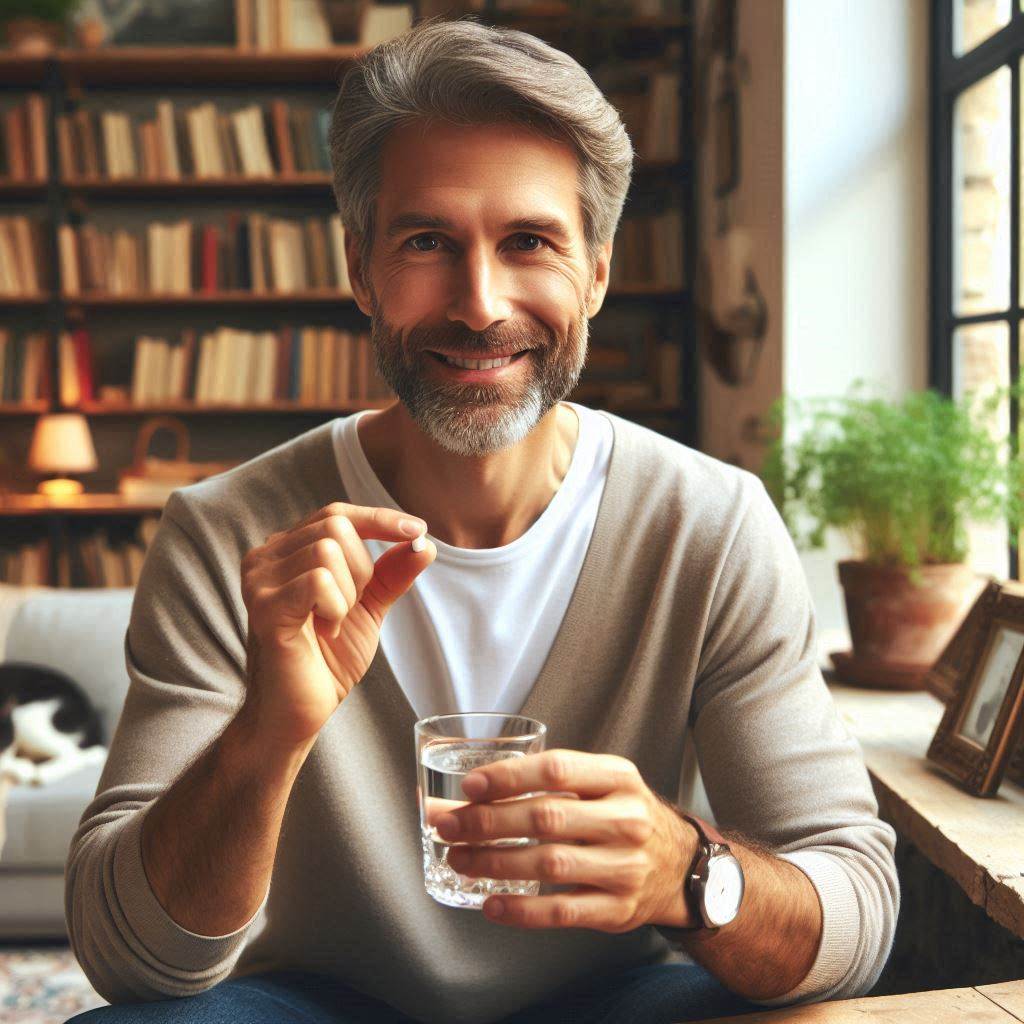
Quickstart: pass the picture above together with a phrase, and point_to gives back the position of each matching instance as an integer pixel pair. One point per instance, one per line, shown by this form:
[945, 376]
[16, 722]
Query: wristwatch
[713, 886]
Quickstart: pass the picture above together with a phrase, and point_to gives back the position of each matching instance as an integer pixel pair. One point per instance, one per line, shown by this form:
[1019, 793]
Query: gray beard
[473, 419]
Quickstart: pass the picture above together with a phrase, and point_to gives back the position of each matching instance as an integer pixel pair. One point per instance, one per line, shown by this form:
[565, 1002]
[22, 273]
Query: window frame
[950, 76]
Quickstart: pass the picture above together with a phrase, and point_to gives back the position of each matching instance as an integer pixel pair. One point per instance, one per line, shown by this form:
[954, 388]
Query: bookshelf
[643, 328]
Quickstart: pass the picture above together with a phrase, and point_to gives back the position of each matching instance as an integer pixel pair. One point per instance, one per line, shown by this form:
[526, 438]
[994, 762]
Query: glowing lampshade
[62, 443]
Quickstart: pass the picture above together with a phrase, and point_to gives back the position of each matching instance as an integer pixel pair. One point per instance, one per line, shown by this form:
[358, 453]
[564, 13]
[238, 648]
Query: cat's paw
[22, 771]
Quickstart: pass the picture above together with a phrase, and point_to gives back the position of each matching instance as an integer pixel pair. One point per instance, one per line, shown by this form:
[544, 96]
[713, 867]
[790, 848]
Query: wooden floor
[986, 1004]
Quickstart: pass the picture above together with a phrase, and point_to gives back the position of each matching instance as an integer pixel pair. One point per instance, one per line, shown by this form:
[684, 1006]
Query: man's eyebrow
[416, 219]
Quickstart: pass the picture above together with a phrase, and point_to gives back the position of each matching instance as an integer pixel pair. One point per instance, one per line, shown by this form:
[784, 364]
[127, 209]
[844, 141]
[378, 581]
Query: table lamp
[62, 444]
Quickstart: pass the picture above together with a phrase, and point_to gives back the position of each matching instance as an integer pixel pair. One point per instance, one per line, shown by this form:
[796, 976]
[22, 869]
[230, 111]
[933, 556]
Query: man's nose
[481, 285]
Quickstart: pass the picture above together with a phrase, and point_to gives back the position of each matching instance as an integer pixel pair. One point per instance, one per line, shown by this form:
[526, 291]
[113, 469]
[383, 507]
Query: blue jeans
[653, 993]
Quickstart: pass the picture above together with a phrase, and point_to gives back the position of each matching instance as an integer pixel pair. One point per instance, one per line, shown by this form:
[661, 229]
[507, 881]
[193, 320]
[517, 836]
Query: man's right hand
[316, 602]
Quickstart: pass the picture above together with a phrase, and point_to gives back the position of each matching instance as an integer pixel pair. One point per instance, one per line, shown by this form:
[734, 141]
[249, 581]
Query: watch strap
[707, 832]
[706, 835]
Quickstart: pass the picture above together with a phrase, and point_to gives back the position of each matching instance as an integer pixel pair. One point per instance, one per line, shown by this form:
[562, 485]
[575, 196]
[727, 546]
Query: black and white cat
[48, 725]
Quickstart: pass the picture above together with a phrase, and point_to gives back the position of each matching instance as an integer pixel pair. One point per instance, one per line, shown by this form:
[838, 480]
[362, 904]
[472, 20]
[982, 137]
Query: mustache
[509, 338]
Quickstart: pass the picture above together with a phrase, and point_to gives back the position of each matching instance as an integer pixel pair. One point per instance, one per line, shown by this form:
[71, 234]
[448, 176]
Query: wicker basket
[147, 474]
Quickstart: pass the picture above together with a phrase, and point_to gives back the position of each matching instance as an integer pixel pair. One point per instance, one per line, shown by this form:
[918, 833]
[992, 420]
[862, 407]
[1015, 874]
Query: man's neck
[499, 496]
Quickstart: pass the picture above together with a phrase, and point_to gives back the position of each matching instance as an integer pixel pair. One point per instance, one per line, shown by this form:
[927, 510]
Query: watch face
[724, 889]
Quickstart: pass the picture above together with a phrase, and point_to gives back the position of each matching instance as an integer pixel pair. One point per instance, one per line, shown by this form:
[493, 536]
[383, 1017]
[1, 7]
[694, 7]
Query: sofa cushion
[42, 819]
[78, 631]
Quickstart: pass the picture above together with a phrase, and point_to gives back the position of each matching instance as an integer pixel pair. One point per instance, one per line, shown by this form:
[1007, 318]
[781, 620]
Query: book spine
[295, 371]
[184, 384]
[282, 137]
[281, 352]
[209, 272]
[83, 359]
[17, 150]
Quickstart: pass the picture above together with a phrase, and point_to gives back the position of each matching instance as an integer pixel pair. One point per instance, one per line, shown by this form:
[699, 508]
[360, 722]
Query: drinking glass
[448, 748]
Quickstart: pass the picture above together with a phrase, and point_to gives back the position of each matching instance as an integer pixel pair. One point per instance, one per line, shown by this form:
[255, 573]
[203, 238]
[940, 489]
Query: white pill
[420, 543]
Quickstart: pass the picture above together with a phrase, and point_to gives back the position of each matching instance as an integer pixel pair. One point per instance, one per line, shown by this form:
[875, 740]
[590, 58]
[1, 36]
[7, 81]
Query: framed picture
[946, 677]
[980, 673]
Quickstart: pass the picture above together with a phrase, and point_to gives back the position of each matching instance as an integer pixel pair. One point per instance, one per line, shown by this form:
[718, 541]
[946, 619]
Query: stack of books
[315, 24]
[199, 142]
[24, 367]
[251, 252]
[649, 251]
[306, 365]
[91, 560]
[23, 152]
[22, 246]
[649, 103]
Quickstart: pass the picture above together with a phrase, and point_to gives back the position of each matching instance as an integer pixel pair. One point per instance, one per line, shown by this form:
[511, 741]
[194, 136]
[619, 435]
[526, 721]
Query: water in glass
[443, 765]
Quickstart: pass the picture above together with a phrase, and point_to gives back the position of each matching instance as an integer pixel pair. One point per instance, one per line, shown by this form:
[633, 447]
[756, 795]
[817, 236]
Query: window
[977, 288]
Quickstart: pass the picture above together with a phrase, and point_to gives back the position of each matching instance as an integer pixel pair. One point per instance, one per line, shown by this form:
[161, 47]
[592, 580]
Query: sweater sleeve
[185, 657]
[778, 763]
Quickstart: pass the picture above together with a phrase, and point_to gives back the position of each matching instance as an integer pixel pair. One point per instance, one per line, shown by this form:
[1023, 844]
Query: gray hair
[466, 73]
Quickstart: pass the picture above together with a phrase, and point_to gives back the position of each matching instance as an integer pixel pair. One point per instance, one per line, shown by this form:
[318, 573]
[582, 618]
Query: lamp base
[60, 487]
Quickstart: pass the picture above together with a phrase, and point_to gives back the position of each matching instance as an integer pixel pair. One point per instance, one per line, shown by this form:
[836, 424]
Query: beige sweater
[688, 647]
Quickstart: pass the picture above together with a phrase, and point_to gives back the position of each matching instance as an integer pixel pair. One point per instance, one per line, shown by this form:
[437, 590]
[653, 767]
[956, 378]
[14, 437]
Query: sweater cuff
[166, 940]
[840, 925]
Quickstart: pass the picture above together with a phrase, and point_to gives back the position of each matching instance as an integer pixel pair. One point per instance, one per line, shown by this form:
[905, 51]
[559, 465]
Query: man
[640, 598]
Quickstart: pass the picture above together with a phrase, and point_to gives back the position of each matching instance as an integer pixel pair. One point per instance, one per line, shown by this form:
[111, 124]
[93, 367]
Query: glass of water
[448, 748]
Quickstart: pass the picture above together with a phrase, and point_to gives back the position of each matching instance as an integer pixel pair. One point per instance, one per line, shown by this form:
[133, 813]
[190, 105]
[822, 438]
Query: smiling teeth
[478, 364]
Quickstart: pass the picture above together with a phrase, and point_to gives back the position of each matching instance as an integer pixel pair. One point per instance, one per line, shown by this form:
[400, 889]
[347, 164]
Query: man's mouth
[490, 364]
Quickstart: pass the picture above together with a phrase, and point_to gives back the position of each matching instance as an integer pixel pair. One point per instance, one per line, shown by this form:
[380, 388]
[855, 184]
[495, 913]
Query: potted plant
[901, 480]
[35, 26]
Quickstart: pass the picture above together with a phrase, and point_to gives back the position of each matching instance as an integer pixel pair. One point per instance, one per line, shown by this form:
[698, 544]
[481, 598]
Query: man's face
[474, 285]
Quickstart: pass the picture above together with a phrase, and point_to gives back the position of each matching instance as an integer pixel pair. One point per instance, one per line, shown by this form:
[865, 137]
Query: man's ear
[599, 286]
[356, 274]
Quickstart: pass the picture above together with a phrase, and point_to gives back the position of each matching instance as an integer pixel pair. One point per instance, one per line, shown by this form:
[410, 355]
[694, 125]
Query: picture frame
[980, 676]
[946, 676]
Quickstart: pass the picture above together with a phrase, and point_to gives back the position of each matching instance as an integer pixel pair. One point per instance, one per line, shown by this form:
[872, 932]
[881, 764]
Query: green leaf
[902, 479]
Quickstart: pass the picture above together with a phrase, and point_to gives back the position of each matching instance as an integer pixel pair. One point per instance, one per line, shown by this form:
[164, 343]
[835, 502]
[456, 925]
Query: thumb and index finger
[396, 569]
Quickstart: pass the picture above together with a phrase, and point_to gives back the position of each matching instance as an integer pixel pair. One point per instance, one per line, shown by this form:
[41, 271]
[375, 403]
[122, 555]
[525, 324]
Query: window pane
[975, 20]
[981, 196]
[981, 363]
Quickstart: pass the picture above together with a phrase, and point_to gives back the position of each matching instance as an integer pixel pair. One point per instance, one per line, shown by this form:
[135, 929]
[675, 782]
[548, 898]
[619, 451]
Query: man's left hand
[599, 827]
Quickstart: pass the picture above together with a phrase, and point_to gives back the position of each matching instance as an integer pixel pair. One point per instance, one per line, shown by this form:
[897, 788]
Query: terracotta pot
[33, 35]
[899, 628]
[90, 33]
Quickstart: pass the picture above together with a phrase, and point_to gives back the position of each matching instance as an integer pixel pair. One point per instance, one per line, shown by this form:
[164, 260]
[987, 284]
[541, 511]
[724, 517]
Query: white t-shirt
[475, 628]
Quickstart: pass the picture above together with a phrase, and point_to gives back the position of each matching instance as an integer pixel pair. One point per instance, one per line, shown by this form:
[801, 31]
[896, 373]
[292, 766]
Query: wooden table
[976, 841]
[985, 1004]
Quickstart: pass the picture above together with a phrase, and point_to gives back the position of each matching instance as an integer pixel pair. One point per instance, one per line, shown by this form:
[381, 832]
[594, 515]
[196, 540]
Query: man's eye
[538, 239]
[420, 238]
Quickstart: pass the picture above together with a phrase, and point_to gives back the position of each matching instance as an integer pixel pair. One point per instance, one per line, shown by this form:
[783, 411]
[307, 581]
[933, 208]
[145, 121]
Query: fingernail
[409, 528]
[494, 907]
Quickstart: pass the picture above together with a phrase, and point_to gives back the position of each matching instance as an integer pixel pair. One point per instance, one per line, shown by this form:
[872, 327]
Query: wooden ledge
[976, 841]
[985, 1004]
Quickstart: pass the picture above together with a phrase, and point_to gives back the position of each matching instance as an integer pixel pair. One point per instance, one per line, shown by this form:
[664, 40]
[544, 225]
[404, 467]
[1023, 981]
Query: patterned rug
[43, 985]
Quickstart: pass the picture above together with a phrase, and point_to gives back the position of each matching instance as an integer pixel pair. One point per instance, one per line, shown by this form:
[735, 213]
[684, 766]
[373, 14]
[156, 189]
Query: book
[16, 139]
[282, 137]
[382, 22]
[70, 395]
[82, 348]
[167, 134]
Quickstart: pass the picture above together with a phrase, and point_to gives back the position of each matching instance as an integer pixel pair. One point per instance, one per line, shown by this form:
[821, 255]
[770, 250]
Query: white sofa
[79, 632]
